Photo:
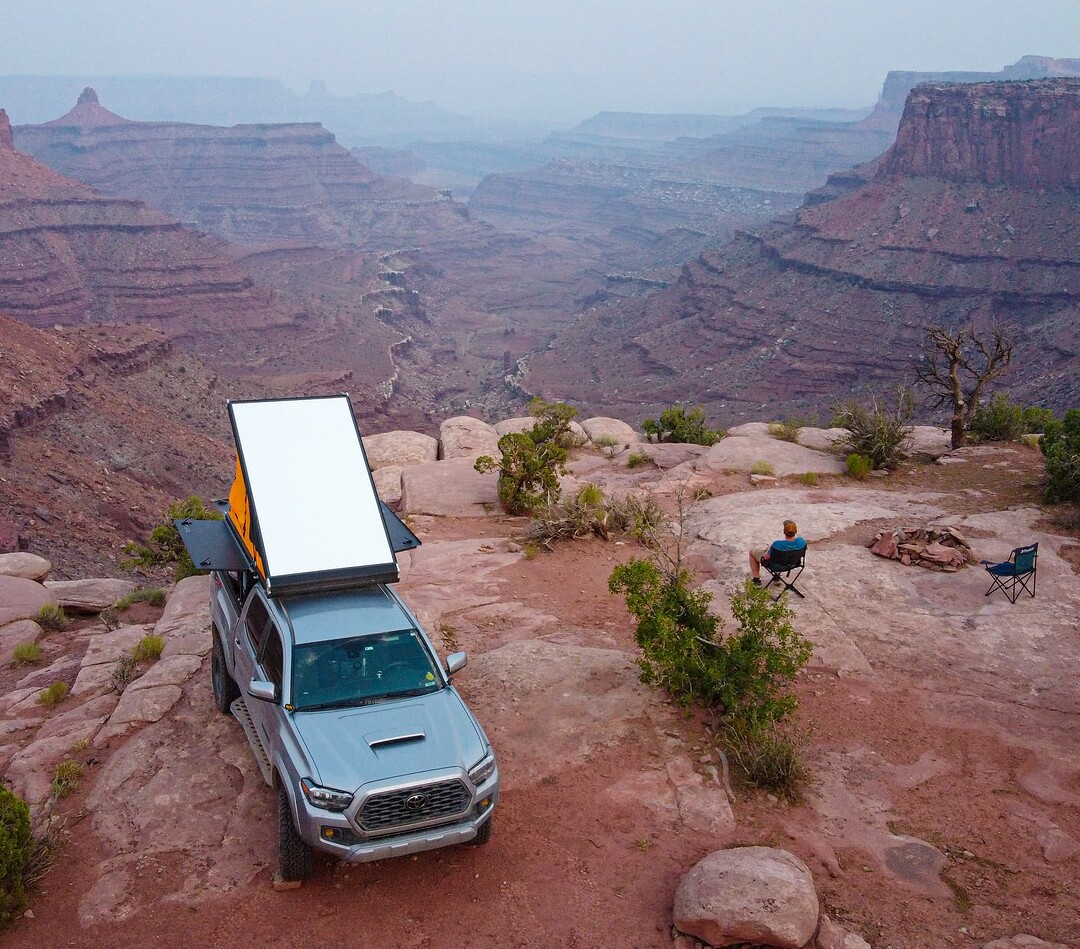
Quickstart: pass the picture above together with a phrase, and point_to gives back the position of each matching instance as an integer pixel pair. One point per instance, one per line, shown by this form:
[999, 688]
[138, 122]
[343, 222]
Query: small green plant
[678, 425]
[787, 430]
[165, 546]
[81, 745]
[53, 694]
[155, 596]
[66, 777]
[26, 653]
[771, 760]
[859, 466]
[531, 550]
[809, 478]
[1060, 446]
[16, 848]
[608, 444]
[52, 616]
[636, 459]
[761, 468]
[148, 648]
[449, 636]
[532, 461]
[124, 672]
[877, 430]
[109, 618]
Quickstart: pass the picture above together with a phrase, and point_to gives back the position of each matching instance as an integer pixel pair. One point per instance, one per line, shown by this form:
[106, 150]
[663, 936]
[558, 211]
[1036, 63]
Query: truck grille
[414, 805]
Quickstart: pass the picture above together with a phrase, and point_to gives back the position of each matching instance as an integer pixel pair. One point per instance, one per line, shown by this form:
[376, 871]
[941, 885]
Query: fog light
[338, 835]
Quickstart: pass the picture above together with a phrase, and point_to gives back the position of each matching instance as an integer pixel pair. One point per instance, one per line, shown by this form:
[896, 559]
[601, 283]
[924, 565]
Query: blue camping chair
[1012, 575]
[781, 564]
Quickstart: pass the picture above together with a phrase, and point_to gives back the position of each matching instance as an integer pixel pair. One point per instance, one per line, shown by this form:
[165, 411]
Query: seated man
[791, 541]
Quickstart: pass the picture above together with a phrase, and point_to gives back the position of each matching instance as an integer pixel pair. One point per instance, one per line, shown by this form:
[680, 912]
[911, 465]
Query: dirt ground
[569, 864]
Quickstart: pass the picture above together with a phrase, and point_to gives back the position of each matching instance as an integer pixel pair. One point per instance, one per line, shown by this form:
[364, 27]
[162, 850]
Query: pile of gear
[936, 548]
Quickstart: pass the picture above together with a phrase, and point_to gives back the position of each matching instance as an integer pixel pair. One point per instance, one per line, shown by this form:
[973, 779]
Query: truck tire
[483, 834]
[226, 690]
[294, 856]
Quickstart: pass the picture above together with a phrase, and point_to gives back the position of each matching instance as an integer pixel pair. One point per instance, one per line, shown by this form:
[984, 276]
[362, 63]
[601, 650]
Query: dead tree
[957, 368]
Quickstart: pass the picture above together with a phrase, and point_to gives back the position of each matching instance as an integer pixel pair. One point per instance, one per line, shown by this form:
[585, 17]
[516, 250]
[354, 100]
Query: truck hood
[351, 747]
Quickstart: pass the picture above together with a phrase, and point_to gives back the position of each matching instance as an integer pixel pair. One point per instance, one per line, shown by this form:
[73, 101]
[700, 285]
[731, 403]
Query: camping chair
[781, 564]
[1012, 575]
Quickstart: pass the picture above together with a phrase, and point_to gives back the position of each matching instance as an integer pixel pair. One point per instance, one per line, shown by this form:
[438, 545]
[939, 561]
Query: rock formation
[69, 256]
[249, 184]
[815, 308]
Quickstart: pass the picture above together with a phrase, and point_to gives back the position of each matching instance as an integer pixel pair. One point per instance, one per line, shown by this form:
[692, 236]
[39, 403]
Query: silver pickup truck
[352, 718]
[353, 721]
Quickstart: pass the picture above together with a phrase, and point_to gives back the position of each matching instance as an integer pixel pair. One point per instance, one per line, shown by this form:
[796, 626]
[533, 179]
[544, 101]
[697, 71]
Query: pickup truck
[353, 721]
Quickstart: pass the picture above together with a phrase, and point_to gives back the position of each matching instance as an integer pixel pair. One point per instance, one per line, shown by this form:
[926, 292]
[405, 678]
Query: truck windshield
[344, 672]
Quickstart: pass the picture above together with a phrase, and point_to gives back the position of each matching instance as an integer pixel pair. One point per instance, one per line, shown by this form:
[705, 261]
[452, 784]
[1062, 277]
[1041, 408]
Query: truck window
[273, 657]
[257, 619]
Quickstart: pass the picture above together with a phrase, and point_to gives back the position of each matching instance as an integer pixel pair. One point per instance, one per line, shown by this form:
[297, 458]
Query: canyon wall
[948, 231]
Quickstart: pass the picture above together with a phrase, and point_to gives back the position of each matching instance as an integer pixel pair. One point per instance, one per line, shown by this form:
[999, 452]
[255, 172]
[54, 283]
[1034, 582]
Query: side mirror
[455, 661]
[262, 690]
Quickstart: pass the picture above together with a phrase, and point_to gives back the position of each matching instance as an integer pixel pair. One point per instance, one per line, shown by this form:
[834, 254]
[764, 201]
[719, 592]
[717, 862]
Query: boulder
[185, 624]
[467, 437]
[756, 429]
[821, 439]
[21, 631]
[400, 448]
[742, 452]
[388, 483]
[89, 596]
[750, 894]
[449, 489]
[668, 455]
[524, 424]
[600, 429]
[1023, 941]
[27, 566]
[928, 440]
[831, 935]
[22, 599]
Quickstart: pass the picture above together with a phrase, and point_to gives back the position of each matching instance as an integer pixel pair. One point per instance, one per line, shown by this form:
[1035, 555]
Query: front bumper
[313, 821]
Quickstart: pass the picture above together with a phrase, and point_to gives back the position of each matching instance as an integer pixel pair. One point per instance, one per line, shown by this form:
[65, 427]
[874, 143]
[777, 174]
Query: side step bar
[240, 712]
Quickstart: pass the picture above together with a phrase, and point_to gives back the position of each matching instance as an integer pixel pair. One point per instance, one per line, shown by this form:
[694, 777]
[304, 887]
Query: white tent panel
[309, 483]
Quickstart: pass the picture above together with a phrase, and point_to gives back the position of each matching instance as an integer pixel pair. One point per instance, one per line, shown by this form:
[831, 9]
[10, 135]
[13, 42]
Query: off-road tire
[294, 856]
[226, 691]
[483, 835]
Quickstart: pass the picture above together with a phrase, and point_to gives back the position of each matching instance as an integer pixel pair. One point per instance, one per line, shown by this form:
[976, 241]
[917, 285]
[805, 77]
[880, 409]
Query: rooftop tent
[304, 503]
[303, 509]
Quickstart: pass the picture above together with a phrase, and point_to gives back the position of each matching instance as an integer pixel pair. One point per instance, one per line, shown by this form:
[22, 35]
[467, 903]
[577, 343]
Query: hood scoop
[396, 737]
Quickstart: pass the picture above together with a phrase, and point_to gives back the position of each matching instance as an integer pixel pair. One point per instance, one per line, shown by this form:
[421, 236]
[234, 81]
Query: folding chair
[781, 564]
[1012, 575]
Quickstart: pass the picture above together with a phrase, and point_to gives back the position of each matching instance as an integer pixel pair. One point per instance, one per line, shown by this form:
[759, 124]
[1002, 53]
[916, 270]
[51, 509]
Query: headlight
[479, 773]
[326, 798]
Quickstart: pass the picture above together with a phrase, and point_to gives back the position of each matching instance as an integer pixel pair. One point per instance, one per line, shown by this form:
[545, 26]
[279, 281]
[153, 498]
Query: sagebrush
[877, 428]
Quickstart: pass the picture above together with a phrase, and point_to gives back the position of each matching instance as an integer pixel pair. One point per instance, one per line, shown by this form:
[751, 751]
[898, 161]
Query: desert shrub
[1036, 418]
[26, 653]
[124, 672]
[787, 430]
[859, 466]
[148, 648]
[1060, 446]
[16, 846]
[155, 596]
[532, 461]
[636, 459]
[608, 444]
[877, 430]
[998, 420]
[51, 616]
[591, 512]
[678, 425]
[745, 675]
[66, 777]
[165, 547]
[762, 468]
[809, 478]
[770, 759]
[53, 694]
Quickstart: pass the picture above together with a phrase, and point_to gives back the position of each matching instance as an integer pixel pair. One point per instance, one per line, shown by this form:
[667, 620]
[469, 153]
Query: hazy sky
[546, 58]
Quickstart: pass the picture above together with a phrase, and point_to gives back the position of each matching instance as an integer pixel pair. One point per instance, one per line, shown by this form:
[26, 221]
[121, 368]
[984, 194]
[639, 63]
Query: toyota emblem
[416, 802]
